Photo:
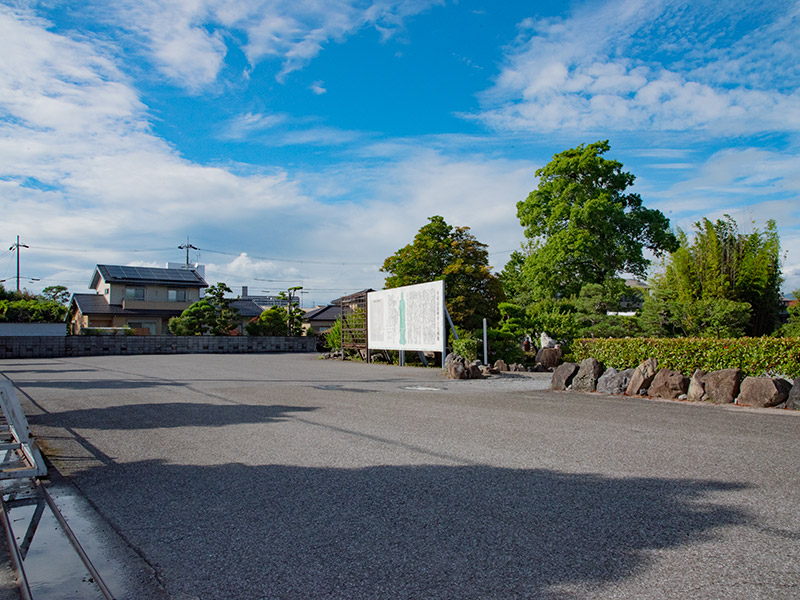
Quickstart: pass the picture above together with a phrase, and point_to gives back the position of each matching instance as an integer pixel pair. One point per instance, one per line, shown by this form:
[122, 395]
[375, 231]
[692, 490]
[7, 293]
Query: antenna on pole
[187, 246]
[17, 246]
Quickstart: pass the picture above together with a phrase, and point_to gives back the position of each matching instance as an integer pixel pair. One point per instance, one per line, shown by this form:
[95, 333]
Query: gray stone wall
[107, 345]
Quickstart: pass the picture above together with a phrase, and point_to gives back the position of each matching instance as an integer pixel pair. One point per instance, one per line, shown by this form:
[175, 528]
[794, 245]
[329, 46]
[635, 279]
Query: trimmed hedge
[754, 356]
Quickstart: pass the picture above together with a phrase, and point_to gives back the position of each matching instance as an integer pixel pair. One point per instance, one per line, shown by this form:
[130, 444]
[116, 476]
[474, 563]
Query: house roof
[246, 308]
[351, 297]
[147, 275]
[96, 304]
[323, 313]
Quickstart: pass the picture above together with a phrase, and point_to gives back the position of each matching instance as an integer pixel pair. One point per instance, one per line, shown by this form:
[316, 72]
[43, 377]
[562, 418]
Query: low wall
[107, 345]
[33, 329]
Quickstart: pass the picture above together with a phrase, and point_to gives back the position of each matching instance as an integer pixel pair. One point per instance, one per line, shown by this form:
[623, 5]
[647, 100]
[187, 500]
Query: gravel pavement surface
[286, 476]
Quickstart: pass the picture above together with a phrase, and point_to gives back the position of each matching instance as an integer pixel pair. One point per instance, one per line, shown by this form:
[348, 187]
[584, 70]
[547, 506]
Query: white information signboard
[407, 318]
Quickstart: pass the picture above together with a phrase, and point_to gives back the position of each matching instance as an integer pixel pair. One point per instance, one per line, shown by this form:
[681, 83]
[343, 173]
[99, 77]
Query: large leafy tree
[584, 226]
[212, 315]
[440, 251]
[720, 283]
[24, 307]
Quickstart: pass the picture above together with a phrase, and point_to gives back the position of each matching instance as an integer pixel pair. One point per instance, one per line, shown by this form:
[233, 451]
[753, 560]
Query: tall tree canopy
[440, 251]
[211, 315]
[723, 282]
[584, 227]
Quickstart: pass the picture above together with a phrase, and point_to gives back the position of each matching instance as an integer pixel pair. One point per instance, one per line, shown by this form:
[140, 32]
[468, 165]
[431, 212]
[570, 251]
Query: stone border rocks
[726, 386]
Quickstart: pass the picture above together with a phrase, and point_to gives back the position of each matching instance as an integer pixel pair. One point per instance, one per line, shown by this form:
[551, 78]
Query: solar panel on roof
[121, 272]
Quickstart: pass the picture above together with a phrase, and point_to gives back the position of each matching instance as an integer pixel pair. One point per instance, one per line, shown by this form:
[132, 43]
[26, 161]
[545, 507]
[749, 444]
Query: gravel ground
[284, 476]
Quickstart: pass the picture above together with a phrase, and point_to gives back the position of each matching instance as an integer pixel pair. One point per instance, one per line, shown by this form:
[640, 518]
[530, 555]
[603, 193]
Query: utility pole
[187, 246]
[289, 309]
[17, 246]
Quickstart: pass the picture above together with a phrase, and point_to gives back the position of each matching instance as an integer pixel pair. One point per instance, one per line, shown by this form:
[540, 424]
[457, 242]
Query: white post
[485, 346]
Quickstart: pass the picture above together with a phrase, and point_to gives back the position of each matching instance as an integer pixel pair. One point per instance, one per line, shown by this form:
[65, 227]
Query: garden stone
[587, 376]
[474, 370]
[457, 370]
[501, 365]
[642, 377]
[613, 381]
[549, 357]
[793, 401]
[722, 387]
[762, 392]
[697, 387]
[563, 376]
[669, 385]
[545, 341]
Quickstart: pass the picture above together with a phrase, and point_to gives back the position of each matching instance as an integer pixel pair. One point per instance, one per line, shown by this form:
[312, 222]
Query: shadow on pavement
[236, 531]
[167, 414]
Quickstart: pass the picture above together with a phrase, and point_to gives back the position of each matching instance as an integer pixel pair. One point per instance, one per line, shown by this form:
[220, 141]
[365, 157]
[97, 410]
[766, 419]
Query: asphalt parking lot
[285, 476]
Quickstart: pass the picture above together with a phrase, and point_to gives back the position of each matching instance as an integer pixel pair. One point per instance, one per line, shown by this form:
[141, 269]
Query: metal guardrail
[21, 457]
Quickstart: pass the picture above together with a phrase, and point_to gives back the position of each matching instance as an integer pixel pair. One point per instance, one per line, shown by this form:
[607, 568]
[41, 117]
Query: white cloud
[318, 87]
[87, 182]
[245, 125]
[188, 40]
[611, 67]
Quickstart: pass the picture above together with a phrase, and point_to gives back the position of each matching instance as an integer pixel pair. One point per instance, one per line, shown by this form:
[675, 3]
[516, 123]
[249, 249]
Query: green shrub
[333, 337]
[466, 347]
[754, 356]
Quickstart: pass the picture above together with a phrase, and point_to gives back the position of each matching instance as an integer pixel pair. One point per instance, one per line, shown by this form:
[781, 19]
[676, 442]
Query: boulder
[642, 377]
[763, 391]
[669, 385]
[545, 341]
[563, 376]
[697, 386]
[613, 381]
[549, 357]
[501, 365]
[457, 370]
[722, 387]
[793, 401]
[588, 374]
[474, 370]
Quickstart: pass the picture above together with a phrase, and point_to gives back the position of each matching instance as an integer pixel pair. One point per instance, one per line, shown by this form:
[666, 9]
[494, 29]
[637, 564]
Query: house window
[177, 295]
[134, 293]
[149, 325]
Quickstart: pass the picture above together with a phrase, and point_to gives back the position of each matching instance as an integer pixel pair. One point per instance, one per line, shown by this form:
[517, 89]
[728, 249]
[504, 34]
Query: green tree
[722, 283]
[583, 226]
[440, 251]
[212, 315]
[270, 322]
[24, 307]
[56, 293]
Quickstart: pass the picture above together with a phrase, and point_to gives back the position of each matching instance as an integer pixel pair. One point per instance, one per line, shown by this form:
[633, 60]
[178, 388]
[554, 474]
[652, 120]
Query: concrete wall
[33, 329]
[107, 345]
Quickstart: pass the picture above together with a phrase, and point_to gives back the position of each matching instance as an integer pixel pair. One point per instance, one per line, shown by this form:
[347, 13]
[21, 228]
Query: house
[322, 318]
[143, 298]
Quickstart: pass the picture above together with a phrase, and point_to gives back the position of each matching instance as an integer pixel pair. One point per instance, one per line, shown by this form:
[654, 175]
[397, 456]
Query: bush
[333, 337]
[466, 347]
[754, 356]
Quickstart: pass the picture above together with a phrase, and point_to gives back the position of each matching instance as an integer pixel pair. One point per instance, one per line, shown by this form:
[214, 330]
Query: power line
[291, 260]
[95, 250]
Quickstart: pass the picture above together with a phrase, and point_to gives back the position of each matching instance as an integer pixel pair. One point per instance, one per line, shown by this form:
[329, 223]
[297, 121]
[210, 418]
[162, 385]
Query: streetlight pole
[289, 309]
[17, 246]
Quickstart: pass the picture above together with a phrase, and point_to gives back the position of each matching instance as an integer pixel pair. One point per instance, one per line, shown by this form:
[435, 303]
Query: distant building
[142, 298]
[263, 301]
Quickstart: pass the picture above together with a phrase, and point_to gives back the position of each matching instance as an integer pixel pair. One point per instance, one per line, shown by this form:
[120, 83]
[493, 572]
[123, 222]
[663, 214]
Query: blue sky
[303, 142]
